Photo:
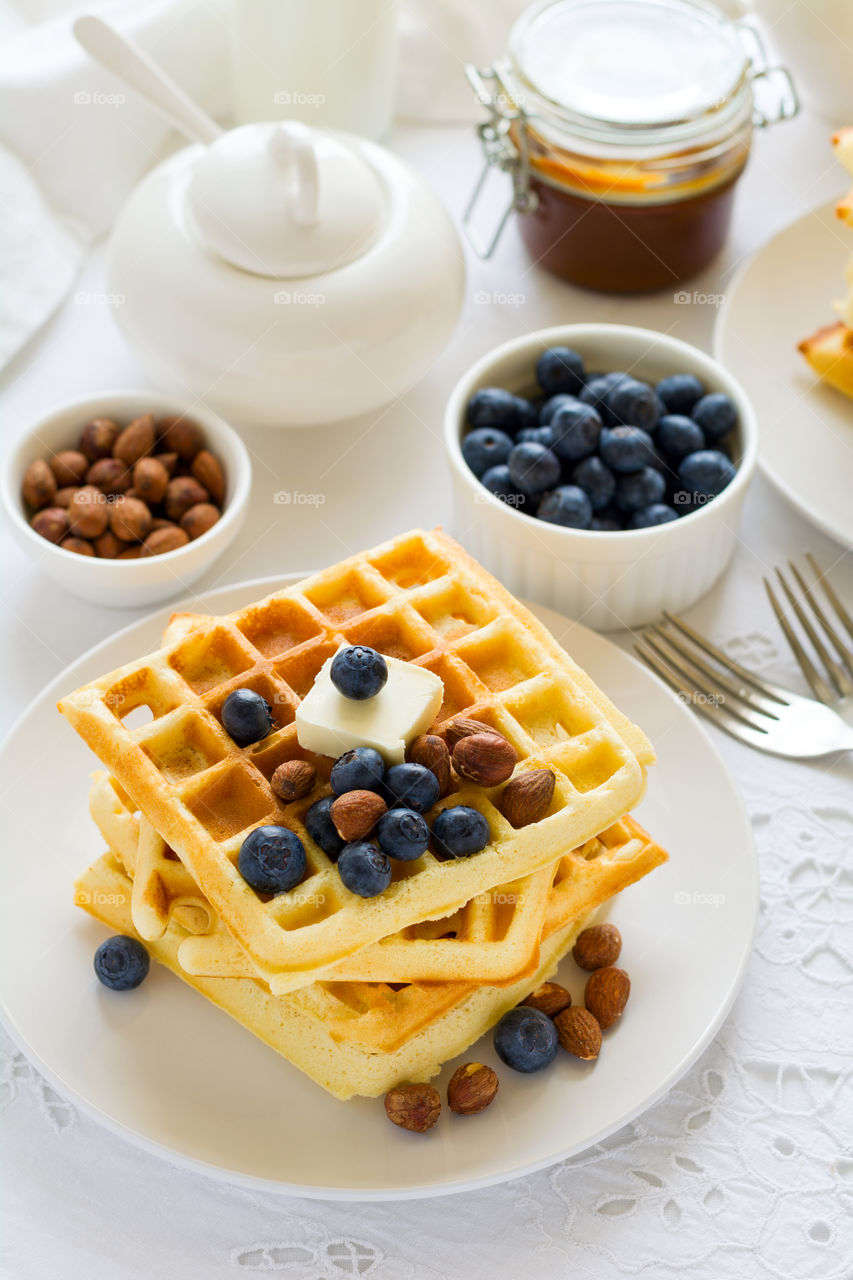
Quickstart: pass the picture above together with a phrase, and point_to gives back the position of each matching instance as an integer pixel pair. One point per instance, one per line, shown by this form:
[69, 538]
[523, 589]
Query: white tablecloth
[741, 1171]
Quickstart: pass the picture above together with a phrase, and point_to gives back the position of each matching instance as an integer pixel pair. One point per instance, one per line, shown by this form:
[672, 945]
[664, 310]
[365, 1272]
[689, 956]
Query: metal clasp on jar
[500, 152]
[776, 78]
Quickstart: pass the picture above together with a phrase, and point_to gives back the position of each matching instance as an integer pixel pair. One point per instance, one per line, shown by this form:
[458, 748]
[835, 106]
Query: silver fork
[762, 714]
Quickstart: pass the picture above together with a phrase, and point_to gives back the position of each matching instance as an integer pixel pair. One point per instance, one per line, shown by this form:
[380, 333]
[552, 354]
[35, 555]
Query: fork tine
[819, 687]
[773, 691]
[836, 675]
[709, 691]
[750, 697]
[754, 737]
[841, 678]
[830, 594]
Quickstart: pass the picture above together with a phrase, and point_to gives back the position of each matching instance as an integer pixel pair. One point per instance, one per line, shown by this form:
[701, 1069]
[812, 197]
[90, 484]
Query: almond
[39, 486]
[356, 813]
[166, 538]
[597, 947]
[135, 441]
[97, 438]
[293, 780]
[471, 1088]
[413, 1106]
[579, 1033]
[431, 751]
[181, 436]
[150, 480]
[526, 798]
[108, 546]
[550, 999]
[199, 519]
[182, 493]
[460, 728]
[485, 758]
[51, 523]
[130, 519]
[606, 994]
[109, 475]
[208, 472]
[69, 467]
[63, 496]
[167, 460]
[88, 512]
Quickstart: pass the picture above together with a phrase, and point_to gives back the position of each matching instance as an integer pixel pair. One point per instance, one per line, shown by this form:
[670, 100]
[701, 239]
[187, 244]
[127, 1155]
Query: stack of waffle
[830, 350]
[360, 993]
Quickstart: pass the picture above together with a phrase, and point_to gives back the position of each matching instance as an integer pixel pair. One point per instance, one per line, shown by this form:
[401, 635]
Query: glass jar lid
[629, 64]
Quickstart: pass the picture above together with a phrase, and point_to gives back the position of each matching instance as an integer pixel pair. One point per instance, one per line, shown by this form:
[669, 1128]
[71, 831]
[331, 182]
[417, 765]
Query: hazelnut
[150, 480]
[461, 727]
[356, 813]
[97, 438]
[182, 493]
[293, 780]
[606, 995]
[51, 523]
[181, 436]
[108, 546]
[579, 1033]
[88, 512]
[167, 538]
[135, 441]
[550, 999]
[413, 1106]
[472, 1087]
[199, 519]
[431, 751]
[109, 475]
[159, 523]
[38, 487]
[130, 519]
[526, 798]
[485, 758]
[597, 947]
[208, 472]
[69, 467]
[79, 546]
[63, 496]
[131, 553]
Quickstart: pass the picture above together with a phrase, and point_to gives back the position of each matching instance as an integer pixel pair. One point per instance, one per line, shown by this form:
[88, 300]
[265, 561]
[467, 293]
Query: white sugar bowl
[287, 276]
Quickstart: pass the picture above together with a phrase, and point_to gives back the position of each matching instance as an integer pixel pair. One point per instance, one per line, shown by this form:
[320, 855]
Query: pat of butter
[329, 724]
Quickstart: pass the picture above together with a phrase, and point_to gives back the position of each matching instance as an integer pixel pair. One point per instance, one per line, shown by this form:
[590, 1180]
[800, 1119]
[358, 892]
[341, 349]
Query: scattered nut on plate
[472, 1088]
[113, 492]
[606, 994]
[597, 947]
[550, 998]
[413, 1106]
[579, 1032]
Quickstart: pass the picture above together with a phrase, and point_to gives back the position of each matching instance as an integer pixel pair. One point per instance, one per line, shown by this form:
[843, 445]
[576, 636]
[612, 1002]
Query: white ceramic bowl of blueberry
[627, 502]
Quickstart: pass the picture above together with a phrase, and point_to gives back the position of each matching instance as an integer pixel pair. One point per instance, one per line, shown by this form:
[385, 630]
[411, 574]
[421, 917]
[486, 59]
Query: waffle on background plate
[358, 1037]
[419, 598]
[829, 351]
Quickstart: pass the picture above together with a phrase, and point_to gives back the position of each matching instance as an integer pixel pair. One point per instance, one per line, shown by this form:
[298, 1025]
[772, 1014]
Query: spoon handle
[123, 57]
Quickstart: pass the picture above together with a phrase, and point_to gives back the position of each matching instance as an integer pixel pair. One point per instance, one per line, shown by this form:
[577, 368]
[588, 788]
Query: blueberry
[272, 859]
[678, 436]
[526, 1039]
[411, 786]
[552, 404]
[716, 415]
[499, 482]
[705, 474]
[361, 769]
[597, 481]
[536, 435]
[655, 513]
[605, 524]
[626, 448]
[640, 489]
[634, 404]
[364, 869]
[121, 963]
[403, 834]
[533, 468]
[321, 829]
[568, 506]
[358, 672]
[559, 369]
[494, 407]
[460, 831]
[679, 392]
[486, 447]
[577, 430]
[598, 388]
[247, 716]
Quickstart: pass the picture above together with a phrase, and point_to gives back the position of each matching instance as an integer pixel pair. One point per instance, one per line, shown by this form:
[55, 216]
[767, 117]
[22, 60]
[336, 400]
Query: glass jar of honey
[624, 126]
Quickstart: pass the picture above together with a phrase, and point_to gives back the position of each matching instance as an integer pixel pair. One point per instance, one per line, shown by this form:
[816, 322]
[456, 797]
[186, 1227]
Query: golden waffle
[495, 938]
[419, 598]
[829, 351]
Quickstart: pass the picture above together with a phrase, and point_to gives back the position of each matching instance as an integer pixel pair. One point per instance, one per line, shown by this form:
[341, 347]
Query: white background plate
[780, 296]
[164, 1069]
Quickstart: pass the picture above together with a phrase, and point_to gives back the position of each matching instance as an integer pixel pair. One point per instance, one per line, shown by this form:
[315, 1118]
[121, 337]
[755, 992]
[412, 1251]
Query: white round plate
[165, 1069]
[780, 296]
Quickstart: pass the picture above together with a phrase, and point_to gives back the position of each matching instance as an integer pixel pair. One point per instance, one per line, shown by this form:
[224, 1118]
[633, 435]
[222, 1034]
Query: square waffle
[829, 351]
[419, 598]
[495, 938]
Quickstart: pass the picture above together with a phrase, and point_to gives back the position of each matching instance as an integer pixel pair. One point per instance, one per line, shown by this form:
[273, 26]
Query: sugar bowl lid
[285, 200]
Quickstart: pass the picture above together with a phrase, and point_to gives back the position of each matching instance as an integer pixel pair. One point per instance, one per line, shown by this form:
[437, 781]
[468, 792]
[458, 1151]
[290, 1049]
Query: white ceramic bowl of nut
[139, 527]
[612, 579]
